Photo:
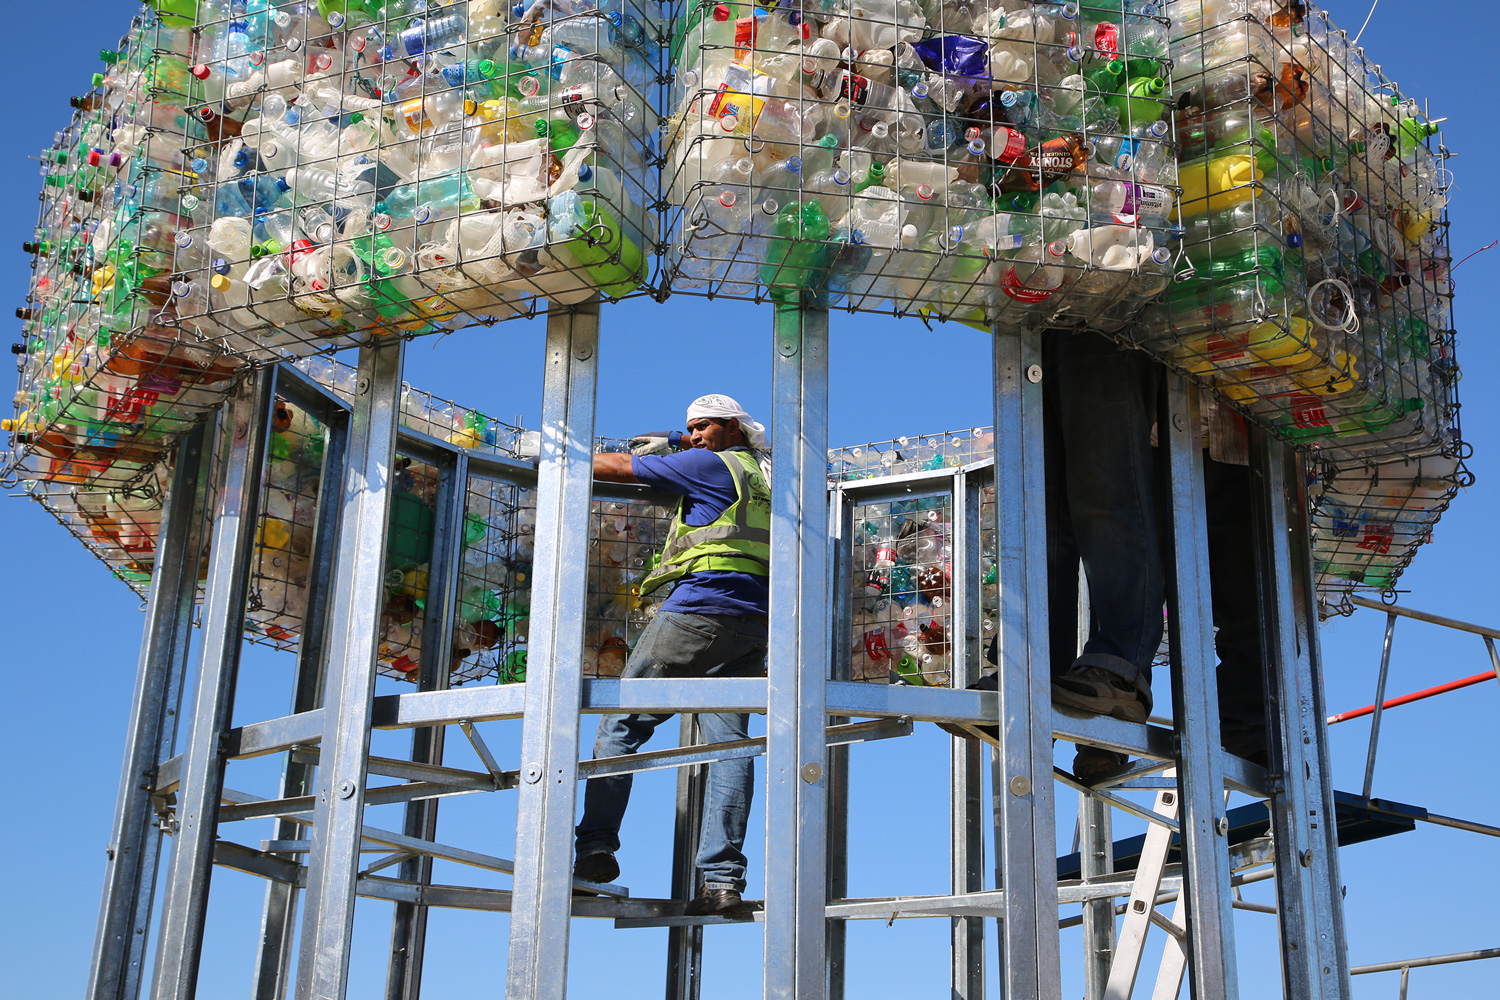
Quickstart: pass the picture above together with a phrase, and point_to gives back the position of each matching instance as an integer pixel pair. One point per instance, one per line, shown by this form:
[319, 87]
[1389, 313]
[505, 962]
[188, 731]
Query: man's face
[712, 433]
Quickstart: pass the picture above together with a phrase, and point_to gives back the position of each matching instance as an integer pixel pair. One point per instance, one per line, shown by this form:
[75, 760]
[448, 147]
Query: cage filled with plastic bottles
[1369, 520]
[999, 162]
[1312, 291]
[253, 180]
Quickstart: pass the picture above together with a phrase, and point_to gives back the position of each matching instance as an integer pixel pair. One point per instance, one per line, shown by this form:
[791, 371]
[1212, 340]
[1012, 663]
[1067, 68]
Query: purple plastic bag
[955, 55]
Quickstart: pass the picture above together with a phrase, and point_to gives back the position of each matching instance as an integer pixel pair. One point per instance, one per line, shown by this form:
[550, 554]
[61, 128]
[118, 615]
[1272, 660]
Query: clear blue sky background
[74, 631]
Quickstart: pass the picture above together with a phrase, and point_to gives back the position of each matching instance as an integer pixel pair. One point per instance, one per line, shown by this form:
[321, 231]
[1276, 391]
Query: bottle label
[1007, 144]
[1149, 200]
[1107, 38]
[1012, 285]
[885, 554]
[854, 88]
[1129, 150]
[744, 36]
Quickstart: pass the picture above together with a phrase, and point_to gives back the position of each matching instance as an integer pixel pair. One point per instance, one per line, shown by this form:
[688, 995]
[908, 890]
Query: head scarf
[720, 407]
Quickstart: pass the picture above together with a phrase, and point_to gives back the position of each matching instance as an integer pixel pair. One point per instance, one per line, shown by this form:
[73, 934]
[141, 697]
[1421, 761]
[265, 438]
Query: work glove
[656, 443]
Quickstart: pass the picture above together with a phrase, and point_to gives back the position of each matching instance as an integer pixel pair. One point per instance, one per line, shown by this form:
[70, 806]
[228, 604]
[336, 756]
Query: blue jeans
[679, 644]
[1098, 406]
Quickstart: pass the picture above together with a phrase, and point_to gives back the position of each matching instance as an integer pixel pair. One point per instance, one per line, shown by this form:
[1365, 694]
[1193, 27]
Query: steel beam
[538, 963]
[685, 944]
[1315, 963]
[134, 851]
[409, 924]
[1195, 691]
[181, 936]
[798, 654]
[353, 636]
[278, 922]
[966, 831]
[1026, 848]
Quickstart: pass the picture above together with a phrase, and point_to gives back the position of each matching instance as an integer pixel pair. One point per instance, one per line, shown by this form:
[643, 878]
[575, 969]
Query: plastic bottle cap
[200, 71]
[335, 19]
[793, 164]
[1294, 240]
[1008, 99]
[919, 89]
[585, 173]
[721, 13]
[541, 127]
[1158, 129]
[908, 233]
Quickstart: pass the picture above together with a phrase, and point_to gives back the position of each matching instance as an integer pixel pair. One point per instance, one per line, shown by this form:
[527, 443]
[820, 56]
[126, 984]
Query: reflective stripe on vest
[737, 541]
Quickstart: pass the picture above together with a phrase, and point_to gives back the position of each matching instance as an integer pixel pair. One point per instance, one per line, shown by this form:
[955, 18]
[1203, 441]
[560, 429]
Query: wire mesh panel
[252, 180]
[492, 623]
[1001, 162]
[1313, 288]
[1369, 519]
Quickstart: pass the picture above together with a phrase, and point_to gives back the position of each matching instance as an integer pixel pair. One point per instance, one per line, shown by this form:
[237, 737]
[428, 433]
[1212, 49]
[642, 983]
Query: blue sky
[74, 631]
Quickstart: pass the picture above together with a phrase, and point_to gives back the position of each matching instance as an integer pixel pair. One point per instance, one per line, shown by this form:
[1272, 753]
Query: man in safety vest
[713, 625]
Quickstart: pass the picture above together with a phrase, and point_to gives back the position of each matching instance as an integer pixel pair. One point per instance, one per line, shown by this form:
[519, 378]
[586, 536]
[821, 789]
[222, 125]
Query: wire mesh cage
[1313, 289]
[254, 180]
[998, 162]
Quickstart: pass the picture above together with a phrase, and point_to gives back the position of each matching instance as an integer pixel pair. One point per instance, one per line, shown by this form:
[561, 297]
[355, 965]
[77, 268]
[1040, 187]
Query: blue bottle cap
[585, 172]
[793, 164]
[1294, 240]
[1008, 99]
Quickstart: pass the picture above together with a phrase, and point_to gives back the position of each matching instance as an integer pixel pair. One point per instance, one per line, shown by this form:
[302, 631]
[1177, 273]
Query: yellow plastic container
[1218, 183]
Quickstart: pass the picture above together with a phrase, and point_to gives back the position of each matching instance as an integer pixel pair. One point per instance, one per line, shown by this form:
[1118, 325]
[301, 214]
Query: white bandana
[720, 407]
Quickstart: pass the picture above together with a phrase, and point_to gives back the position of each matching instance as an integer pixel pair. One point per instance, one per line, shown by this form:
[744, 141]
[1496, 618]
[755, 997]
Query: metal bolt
[583, 353]
[788, 349]
[346, 789]
[812, 772]
[361, 387]
[532, 774]
[1020, 785]
[1222, 825]
[1179, 421]
[1307, 858]
[1033, 374]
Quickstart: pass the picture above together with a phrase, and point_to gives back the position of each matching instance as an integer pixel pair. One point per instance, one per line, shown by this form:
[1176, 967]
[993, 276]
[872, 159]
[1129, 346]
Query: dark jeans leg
[1231, 558]
[1104, 401]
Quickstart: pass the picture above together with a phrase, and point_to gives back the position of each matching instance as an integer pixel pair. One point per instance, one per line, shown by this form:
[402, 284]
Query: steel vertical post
[349, 688]
[1096, 852]
[181, 935]
[409, 923]
[841, 554]
[1309, 900]
[1026, 848]
[1311, 964]
[542, 901]
[1385, 670]
[966, 835]
[797, 660]
[135, 840]
[1195, 692]
[273, 959]
[685, 944]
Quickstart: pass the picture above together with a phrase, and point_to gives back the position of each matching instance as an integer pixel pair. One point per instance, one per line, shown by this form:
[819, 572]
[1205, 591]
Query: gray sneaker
[1099, 692]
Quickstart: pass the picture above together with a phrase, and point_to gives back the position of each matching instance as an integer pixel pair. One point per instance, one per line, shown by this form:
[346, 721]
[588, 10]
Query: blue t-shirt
[701, 477]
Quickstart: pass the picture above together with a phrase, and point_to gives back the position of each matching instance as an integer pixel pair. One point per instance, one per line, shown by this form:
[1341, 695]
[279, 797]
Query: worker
[712, 625]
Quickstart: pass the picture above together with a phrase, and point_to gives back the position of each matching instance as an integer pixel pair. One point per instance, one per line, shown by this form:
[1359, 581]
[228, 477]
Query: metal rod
[1423, 616]
[1461, 824]
[798, 652]
[1407, 699]
[1379, 707]
[181, 936]
[134, 851]
[1022, 787]
[538, 959]
[273, 960]
[353, 636]
[1417, 963]
[1096, 860]
[841, 535]
[1212, 967]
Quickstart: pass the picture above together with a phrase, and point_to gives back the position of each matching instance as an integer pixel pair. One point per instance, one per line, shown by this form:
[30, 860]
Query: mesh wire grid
[1312, 291]
[997, 162]
[256, 180]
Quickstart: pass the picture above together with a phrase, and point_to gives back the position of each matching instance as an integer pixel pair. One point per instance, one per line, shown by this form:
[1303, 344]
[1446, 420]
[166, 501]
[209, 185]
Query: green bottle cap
[356, 118]
[487, 68]
[541, 128]
[98, 79]
[109, 56]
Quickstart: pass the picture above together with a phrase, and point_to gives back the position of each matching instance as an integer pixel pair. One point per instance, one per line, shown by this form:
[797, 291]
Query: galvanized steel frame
[807, 763]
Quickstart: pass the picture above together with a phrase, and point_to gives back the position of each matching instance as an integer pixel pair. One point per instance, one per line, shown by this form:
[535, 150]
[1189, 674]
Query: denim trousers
[1099, 402]
[680, 644]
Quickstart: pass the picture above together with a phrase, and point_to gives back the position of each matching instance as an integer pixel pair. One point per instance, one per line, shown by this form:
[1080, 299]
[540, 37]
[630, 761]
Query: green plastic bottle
[797, 261]
[1140, 101]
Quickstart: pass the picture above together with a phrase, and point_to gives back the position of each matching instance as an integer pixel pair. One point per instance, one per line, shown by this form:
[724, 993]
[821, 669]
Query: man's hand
[656, 443]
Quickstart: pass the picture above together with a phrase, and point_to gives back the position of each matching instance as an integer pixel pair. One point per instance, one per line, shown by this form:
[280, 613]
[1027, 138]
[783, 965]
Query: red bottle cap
[200, 71]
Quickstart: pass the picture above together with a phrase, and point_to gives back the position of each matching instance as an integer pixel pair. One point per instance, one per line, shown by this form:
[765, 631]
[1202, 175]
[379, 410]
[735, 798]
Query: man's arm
[614, 467]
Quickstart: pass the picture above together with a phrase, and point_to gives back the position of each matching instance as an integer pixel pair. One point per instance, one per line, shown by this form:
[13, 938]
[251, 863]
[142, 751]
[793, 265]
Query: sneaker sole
[1127, 709]
[972, 732]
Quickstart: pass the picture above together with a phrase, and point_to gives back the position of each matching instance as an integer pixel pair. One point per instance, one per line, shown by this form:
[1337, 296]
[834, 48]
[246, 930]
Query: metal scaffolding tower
[174, 783]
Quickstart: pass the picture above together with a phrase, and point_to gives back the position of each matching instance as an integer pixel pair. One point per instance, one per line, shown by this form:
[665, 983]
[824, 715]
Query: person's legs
[605, 798]
[1106, 402]
[1236, 607]
[1062, 546]
[726, 808]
